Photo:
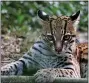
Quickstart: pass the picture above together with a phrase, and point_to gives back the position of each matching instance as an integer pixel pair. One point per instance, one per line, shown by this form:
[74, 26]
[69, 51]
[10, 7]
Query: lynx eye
[67, 37]
[50, 37]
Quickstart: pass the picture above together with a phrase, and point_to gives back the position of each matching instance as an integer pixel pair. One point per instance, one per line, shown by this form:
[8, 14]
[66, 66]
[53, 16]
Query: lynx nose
[58, 47]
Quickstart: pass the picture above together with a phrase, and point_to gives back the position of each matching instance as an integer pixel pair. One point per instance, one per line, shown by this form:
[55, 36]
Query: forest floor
[11, 49]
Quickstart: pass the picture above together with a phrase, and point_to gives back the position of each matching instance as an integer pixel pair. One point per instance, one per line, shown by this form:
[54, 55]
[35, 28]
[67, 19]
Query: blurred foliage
[20, 17]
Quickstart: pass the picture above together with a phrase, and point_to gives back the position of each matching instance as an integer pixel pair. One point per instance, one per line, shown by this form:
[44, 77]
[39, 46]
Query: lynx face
[61, 30]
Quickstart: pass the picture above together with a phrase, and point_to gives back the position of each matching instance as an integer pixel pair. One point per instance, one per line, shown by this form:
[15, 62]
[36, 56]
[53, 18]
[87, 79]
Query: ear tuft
[43, 15]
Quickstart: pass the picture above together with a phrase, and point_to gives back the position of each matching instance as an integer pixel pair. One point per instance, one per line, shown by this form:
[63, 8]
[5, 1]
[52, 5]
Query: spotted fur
[82, 54]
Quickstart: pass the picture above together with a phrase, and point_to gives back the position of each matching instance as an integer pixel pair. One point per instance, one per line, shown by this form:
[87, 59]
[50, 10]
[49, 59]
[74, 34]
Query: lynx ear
[75, 16]
[43, 15]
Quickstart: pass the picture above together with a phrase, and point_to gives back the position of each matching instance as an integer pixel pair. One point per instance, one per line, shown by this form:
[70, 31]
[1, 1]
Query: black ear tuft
[43, 15]
[75, 16]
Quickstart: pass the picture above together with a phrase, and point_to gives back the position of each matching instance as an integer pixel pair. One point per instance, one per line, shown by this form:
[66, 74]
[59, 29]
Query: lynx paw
[6, 70]
[43, 76]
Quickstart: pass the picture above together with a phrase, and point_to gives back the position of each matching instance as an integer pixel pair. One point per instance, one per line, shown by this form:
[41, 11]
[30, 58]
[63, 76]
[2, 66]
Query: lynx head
[59, 29]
